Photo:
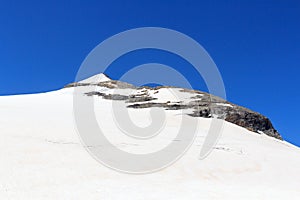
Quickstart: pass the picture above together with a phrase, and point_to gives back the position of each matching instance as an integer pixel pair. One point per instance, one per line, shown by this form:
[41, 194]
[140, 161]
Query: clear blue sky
[255, 44]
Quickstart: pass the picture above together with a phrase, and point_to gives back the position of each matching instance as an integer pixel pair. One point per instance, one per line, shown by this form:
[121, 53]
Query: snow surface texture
[42, 158]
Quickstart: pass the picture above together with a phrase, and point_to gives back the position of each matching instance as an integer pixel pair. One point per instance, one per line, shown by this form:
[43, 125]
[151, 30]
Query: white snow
[42, 158]
[224, 104]
[170, 94]
[96, 79]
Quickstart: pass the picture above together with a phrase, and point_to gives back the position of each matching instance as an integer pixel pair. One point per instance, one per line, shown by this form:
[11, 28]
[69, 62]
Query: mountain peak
[96, 79]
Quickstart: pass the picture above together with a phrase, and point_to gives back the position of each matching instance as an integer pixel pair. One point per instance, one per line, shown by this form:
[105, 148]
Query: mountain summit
[96, 79]
[202, 104]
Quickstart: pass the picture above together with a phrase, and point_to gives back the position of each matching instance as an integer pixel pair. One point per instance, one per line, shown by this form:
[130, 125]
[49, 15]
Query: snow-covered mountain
[42, 156]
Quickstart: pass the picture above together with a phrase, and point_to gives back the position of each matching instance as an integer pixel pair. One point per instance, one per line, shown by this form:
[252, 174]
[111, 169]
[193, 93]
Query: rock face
[252, 121]
[202, 104]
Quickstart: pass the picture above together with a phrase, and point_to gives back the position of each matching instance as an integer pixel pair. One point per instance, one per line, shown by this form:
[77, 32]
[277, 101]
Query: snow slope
[42, 158]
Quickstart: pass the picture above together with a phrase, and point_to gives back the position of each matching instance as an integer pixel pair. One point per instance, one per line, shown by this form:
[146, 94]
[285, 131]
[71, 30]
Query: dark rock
[117, 97]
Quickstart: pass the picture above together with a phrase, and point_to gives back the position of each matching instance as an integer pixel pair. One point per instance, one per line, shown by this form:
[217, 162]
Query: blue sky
[255, 44]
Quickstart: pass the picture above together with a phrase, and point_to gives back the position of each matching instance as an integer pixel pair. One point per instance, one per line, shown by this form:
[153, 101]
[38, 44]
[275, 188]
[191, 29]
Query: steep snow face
[42, 157]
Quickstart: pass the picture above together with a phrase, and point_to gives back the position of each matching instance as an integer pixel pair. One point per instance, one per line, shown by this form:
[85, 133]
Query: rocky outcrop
[252, 121]
[201, 103]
